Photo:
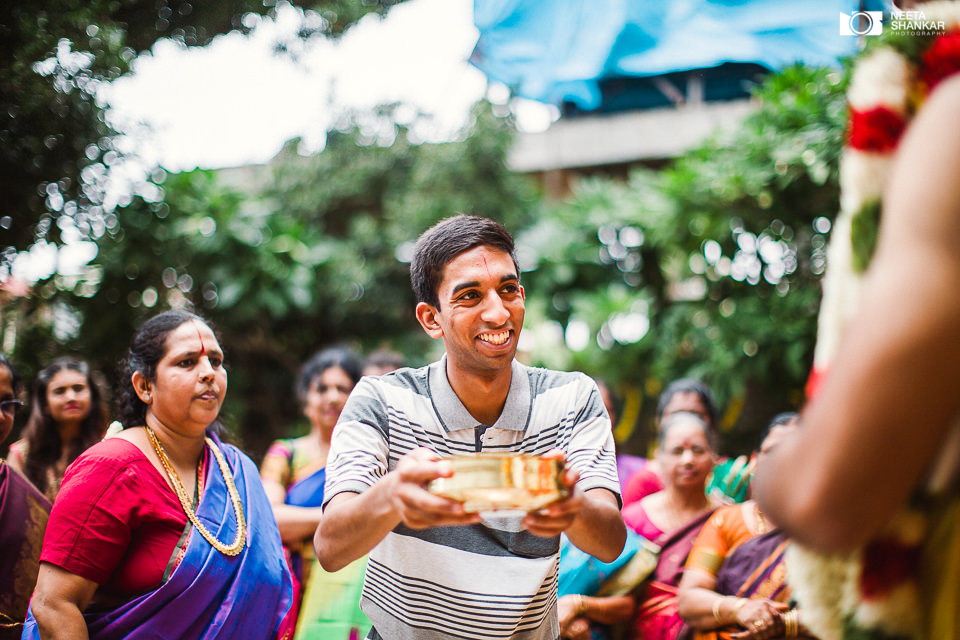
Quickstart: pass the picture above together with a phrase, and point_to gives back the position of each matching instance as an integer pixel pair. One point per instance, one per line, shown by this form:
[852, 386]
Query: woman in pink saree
[672, 518]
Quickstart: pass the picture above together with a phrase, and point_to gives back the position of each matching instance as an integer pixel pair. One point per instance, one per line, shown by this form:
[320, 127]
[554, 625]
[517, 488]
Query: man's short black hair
[446, 240]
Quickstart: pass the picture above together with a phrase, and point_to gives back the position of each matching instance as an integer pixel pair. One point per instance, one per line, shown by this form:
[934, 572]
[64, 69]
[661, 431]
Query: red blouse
[115, 521]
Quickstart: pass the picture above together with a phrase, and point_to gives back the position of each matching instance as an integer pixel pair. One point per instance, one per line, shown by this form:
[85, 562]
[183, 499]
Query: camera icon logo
[861, 23]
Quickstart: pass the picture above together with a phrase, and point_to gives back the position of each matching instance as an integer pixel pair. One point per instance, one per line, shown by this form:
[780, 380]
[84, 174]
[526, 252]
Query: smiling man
[436, 571]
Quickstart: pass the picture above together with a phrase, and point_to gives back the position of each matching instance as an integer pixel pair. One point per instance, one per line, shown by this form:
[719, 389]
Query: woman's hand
[760, 619]
[579, 629]
[569, 607]
[573, 624]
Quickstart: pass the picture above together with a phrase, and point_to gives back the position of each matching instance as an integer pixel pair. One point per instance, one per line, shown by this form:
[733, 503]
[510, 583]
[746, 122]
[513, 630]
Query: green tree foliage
[709, 267]
[55, 146]
[284, 260]
[715, 261]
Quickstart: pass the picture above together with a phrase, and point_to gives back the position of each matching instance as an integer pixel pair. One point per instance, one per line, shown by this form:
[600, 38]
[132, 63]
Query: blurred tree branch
[55, 146]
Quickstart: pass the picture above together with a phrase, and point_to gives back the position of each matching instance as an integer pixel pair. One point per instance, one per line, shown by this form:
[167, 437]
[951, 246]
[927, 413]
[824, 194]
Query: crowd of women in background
[102, 531]
[702, 561]
[164, 511]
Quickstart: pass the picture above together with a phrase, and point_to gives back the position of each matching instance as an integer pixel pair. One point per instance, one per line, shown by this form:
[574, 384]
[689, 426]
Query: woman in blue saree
[293, 473]
[163, 531]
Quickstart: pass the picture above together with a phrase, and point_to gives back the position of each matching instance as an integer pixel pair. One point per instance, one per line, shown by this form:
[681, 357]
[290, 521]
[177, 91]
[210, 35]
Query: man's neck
[483, 395]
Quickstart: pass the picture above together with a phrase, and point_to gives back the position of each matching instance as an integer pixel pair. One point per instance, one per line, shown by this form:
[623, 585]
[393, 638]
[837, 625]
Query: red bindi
[203, 349]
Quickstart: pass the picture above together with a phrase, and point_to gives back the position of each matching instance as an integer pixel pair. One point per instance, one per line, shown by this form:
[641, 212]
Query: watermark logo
[861, 23]
[914, 23]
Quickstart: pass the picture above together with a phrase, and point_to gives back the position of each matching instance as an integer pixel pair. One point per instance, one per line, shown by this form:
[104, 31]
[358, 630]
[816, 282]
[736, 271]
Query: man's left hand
[554, 518]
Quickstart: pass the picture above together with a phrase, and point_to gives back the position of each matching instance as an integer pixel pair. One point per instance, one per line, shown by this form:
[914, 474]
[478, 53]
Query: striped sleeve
[591, 449]
[359, 447]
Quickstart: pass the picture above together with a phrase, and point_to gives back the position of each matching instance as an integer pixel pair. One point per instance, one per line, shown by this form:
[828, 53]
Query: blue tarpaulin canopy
[588, 55]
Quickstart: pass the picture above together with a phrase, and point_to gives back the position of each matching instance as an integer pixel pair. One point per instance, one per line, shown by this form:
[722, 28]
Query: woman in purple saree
[23, 517]
[755, 571]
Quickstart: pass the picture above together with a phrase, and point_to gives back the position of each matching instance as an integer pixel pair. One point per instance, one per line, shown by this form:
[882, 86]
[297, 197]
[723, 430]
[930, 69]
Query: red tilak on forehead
[203, 349]
[482, 255]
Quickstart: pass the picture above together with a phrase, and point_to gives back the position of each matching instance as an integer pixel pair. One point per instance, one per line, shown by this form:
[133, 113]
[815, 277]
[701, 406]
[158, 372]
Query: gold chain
[761, 519]
[180, 490]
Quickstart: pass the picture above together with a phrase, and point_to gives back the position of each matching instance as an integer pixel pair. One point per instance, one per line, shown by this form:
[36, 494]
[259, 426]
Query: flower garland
[890, 81]
[872, 593]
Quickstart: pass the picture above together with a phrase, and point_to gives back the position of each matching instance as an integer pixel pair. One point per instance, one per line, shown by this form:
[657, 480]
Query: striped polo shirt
[488, 580]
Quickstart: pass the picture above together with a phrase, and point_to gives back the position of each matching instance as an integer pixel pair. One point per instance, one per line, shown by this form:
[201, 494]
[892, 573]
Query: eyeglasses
[9, 407]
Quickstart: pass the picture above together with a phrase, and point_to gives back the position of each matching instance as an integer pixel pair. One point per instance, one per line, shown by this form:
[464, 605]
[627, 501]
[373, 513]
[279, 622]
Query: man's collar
[454, 415]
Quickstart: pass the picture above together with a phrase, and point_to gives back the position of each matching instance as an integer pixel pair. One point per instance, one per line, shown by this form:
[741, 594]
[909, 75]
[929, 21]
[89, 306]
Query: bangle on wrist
[716, 608]
[581, 607]
[791, 623]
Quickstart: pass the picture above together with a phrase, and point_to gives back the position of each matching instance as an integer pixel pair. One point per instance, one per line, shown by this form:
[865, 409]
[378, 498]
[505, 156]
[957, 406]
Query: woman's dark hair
[781, 418]
[342, 357]
[384, 359]
[147, 348]
[44, 445]
[15, 381]
[687, 416]
[689, 385]
[446, 240]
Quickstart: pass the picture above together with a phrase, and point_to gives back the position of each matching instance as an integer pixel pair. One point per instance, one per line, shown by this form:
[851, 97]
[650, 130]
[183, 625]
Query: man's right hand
[417, 507]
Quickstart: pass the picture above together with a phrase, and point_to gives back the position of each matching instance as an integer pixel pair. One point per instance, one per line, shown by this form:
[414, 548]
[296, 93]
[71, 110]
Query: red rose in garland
[877, 129]
[942, 59]
[887, 563]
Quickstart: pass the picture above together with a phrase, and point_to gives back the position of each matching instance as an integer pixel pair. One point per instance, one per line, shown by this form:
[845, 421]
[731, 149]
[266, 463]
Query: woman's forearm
[296, 523]
[704, 609]
[610, 609]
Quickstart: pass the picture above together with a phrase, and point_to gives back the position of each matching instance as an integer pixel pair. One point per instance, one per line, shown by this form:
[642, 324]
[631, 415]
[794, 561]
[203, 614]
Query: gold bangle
[581, 607]
[716, 608]
[791, 623]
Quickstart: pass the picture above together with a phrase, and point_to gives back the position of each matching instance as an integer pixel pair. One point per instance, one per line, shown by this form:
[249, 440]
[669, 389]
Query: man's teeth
[495, 338]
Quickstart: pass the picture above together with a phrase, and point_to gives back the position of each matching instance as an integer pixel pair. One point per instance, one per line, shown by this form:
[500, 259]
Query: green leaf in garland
[864, 229]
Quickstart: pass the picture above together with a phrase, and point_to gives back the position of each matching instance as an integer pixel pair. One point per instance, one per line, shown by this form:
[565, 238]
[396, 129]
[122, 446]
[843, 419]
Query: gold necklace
[180, 490]
[761, 519]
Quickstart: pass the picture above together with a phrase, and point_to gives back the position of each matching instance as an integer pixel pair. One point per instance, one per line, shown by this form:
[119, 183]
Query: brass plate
[486, 482]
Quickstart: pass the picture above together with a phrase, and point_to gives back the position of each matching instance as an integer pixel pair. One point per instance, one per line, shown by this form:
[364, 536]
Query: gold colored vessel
[486, 482]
